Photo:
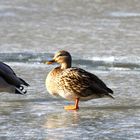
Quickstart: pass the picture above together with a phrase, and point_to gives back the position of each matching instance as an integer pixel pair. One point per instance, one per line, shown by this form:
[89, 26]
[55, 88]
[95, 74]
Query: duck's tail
[110, 96]
[23, 82]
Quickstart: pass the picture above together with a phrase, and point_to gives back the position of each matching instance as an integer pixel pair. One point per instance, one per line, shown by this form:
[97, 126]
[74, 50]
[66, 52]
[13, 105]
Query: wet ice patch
[124, 14]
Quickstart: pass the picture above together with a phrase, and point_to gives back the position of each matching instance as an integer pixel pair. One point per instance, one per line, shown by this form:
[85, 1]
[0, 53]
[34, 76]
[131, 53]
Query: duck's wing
[95, 79]
[83, 83]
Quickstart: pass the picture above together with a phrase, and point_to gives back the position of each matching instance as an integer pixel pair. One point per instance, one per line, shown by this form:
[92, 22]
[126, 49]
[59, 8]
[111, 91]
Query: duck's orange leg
[73, 107]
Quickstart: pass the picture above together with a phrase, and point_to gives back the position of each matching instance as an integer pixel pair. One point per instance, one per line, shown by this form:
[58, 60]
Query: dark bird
[10, 82]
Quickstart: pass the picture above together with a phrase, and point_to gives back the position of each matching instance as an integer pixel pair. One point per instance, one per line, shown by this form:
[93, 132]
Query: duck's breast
[51, 82]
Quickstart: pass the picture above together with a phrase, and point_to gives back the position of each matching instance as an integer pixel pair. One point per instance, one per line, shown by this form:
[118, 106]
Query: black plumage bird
[10, 82]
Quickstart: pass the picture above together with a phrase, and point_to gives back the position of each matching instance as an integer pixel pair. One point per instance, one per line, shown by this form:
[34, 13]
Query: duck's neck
[66, 65]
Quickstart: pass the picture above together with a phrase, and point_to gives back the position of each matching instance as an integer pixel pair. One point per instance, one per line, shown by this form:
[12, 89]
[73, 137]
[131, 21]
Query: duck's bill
[49, 62]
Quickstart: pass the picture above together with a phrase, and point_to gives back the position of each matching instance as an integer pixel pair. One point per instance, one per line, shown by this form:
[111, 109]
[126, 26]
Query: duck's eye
[60, 55]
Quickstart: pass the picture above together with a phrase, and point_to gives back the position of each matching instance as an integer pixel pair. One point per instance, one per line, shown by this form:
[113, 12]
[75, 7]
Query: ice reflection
[61, 120]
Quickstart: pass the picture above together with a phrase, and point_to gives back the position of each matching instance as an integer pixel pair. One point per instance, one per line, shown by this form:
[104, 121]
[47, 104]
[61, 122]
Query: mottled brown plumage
[74, 83]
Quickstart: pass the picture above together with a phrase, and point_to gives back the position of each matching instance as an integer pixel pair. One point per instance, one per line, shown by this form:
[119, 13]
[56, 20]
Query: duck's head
[63, 58]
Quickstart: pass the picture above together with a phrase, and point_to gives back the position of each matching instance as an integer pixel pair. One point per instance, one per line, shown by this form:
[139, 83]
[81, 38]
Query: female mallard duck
[9, 82]
[74, 83]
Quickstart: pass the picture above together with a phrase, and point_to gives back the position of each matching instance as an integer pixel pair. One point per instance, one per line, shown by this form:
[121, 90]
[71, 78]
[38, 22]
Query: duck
[10, 82]
[73, 83]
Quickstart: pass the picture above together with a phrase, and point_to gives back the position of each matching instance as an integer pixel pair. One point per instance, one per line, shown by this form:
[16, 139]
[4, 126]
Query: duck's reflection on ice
[73, 118]
[72, 124]
[59, 120]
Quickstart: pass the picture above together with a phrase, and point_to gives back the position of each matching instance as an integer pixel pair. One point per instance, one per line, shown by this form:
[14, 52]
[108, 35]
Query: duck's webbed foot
[73, 107]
